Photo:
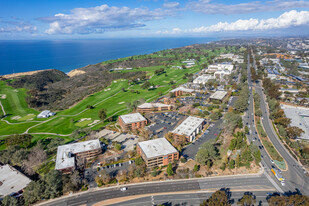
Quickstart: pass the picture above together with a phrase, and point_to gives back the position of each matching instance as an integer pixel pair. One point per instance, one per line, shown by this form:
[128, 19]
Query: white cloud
[16, 25]
[286, 20]
[207, 7]
[171, 5]
[102, 18]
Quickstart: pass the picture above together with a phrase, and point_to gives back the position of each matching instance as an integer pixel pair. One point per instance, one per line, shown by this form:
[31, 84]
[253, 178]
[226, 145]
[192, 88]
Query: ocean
[66, 55]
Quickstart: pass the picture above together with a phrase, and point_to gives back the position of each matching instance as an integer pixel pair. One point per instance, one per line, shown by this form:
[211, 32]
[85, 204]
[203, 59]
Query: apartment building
[157, 152]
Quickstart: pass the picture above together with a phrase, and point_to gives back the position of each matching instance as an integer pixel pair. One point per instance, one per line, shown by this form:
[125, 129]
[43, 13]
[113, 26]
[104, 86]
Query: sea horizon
[18, 56]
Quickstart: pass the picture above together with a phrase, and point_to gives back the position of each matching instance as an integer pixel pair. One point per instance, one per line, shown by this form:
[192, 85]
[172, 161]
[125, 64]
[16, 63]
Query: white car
[283, 183]
[123, 189]
[272, 161]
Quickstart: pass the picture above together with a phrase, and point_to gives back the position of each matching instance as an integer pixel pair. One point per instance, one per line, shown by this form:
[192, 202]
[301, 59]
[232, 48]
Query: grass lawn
[27, 117]
[15, 104]
[83, 123]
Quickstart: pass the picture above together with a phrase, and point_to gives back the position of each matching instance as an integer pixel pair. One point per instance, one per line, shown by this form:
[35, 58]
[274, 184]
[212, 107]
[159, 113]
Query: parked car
[272, 161]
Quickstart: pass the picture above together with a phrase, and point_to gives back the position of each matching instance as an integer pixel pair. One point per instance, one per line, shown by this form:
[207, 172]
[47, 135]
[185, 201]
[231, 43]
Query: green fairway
[112, 98]
[15, 104]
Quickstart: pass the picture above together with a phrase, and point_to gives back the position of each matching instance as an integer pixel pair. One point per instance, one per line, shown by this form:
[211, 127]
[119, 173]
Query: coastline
[8, 76]
[68, 55]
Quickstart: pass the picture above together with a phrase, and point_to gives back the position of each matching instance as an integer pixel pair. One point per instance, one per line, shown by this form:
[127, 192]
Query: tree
[295, 200]
[247, 200]
[215, 115]
[139, 161]
[231, 121]
[154, 173]
[118, 146]
[146, 85]
[102, 114]
[284, 121]
[9, 201]
[246, 130]
[256, 153]
[196, 168]
[232, 164]
[33, 192]
[169, 170]
[219, 198]
[53, 184]
[207, 153]
[23, 140]
[294, 132]
[282, 130]
[36, 157]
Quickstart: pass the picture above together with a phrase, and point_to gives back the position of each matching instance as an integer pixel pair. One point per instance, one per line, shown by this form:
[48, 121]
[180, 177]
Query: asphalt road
[295, 177]
[187, 199]
[240, 183]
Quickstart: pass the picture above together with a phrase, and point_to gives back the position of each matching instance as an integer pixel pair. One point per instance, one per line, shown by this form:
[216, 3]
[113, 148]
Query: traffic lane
[240, 182]
[296, 175]
[166, 186]
[289, 160]
[190, 199]
[98, 196]
[191, 150]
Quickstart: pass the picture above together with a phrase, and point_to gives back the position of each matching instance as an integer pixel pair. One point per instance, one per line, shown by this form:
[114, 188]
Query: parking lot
[163, 122]
[212, 132]
[198, 98]
[128, 141]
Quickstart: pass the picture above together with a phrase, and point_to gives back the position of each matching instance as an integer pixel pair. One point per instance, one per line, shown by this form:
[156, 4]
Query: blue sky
[73, 19]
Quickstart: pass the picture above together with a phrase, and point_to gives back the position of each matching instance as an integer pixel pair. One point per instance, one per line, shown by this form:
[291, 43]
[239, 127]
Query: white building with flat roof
[66, 154]
[157, 152]
[190, 127]
[132, 118]
[215, 67]
[46, 114]
[183, 89]
[12, 182]
[203, 79]
[218, 95]
[156, 147]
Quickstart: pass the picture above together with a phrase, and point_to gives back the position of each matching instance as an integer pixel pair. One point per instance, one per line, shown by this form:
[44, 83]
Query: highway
[241, 183]
[295, 177]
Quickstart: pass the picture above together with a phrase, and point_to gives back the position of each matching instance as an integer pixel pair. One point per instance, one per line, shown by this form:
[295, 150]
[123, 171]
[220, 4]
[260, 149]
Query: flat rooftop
[182, 89]
[152, 105]
[203, 78]
[156, 147]
[11, 180]
[219, 95]
[188, 126]
[299, 117]
[132, 118]
[64, 152]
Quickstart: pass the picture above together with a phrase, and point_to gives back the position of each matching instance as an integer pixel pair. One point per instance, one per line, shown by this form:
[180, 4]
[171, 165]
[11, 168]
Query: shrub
[183, 160]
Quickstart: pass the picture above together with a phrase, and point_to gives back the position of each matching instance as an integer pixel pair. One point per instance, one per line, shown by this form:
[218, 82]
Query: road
[186, 199]
[239, 183]
[295, 177]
